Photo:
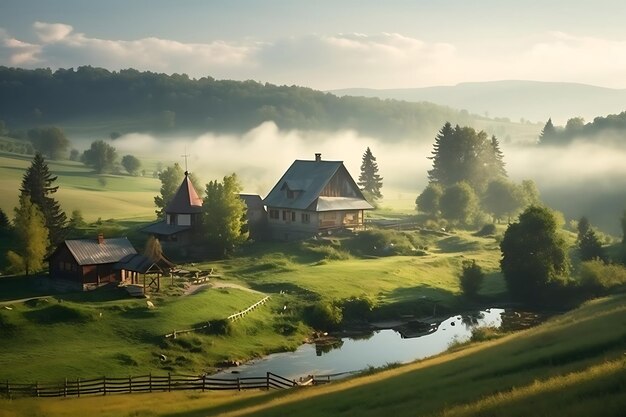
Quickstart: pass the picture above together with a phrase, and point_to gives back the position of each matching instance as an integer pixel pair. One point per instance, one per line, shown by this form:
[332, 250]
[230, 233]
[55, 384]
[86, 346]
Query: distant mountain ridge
[532, 100]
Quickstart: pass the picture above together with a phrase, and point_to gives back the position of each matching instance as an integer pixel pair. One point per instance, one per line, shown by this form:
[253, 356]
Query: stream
[376, 349]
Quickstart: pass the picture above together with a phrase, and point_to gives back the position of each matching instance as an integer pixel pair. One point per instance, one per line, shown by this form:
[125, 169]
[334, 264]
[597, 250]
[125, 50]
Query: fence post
[130, 384]
[37, 388]
[104, 385]
[8, 389]
[78, 386]
[203, 381]
[238, 384]
[65, 388]
[150, 381]
[169, 381]
[267, 381]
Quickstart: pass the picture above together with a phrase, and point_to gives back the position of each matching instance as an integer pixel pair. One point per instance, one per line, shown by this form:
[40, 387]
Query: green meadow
[572, 365]
[120, 197]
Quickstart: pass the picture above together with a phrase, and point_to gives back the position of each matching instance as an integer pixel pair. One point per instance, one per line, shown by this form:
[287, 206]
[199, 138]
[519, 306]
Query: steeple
[186, 200]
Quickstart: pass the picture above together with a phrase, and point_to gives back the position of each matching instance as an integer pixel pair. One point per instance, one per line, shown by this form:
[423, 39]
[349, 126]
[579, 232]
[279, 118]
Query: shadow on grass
[19, 287]
[421, 300]
[454, 244]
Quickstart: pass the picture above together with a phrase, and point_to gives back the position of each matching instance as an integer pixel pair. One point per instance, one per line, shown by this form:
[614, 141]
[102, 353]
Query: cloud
[52, 32]
[383, 60]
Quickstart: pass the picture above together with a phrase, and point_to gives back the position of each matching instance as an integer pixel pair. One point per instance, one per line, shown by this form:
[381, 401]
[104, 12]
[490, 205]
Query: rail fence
[146, 383]
[232, 317]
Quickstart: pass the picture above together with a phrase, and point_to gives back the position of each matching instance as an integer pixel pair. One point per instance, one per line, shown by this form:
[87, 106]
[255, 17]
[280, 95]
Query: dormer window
[290, 194]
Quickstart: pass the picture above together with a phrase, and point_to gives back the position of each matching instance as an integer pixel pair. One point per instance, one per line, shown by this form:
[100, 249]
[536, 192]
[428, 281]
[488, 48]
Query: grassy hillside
[108, 333]
[120, 197]
[572, 365]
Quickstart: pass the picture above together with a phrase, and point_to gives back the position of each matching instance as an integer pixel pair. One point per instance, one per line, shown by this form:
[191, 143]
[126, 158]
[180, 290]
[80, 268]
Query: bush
[323, 316]
[220, 327]
[471, 278]
[357, 308]
[383, 243]
[596, 277]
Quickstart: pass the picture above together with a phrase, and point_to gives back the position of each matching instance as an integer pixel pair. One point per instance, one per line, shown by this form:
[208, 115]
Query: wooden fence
[146, 383]
[232, 317]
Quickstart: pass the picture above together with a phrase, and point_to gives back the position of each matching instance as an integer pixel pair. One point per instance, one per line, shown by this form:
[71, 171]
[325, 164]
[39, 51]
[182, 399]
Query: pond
[376, 349]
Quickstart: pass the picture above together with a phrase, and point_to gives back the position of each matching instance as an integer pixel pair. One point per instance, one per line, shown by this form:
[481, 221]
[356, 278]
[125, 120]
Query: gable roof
[253, 201]
[308, 179]
[186, 199]
[137, 263]
[90, 252]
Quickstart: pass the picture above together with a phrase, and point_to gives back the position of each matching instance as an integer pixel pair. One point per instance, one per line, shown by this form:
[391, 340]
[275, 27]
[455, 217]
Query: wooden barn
[89, 263]
[312, 197]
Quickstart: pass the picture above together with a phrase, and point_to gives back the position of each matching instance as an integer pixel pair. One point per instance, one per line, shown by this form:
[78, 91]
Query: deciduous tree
[224, 215]
[502, 198]
[31, 238]
[534, 256]
[458, 203]
[50, 141]
[471, 278]
[131, 164]
[428, 201]
[100, 156]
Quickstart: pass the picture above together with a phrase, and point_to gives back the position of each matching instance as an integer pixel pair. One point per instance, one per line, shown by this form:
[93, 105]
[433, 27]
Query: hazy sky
[326, 44]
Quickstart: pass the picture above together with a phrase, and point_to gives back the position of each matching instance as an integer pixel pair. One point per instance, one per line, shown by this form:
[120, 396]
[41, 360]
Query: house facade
[89, 263]
[313, 197]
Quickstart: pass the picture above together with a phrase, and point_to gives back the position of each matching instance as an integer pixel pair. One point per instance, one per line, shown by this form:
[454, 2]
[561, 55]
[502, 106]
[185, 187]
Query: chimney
[100, 238]
[318, 157]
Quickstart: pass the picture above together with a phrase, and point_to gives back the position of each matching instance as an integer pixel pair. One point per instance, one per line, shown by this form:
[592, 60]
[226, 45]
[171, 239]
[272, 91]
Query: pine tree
[548, 133]
[31, 238]
[5, 225]
[589, 244]
[224, 215]
[37, 184]
[441, 154]
[369, 180]
[496, 159]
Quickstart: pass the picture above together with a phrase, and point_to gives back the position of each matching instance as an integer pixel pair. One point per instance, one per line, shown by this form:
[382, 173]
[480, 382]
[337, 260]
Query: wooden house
[312, 197]
[89, 263]
[182, 214]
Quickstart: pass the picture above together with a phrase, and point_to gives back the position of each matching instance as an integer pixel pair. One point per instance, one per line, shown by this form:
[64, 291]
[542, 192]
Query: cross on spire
[185, 156]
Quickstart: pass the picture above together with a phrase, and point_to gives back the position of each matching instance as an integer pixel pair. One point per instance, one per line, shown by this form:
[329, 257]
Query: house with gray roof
[89, 263]
[312, 197]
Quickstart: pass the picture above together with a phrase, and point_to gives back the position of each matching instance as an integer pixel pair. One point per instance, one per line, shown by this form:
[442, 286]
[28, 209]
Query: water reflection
[378, 348]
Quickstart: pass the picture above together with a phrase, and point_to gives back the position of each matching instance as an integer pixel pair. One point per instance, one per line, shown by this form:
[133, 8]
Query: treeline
[576, 128]
[161, 103]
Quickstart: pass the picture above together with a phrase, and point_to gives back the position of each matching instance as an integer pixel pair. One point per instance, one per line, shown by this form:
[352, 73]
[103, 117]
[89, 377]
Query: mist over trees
[160, 102]
[613, 125]
[50, 141]
[469, 179]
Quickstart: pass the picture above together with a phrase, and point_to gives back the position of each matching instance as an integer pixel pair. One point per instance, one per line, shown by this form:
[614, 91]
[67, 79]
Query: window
[293, 216]
[285, 215]
[273, 214]
[289, 216]
[289, 193]
[305, 217]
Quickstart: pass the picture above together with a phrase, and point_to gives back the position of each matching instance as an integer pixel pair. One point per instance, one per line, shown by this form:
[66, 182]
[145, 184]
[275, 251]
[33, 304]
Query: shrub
[383, 243]
[471, 278]
[220, 327]
[357, 308]
[323, 315]
[597, 277]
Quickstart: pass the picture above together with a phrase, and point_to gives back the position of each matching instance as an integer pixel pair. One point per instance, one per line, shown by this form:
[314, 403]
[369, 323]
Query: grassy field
[572, 365]
[108, 333]
[121, 197]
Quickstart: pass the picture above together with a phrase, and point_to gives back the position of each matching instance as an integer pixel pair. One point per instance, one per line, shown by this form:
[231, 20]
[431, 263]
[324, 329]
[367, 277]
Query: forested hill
[130, 100]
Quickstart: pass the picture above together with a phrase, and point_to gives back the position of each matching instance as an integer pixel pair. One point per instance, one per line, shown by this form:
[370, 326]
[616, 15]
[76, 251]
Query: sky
[326, 44]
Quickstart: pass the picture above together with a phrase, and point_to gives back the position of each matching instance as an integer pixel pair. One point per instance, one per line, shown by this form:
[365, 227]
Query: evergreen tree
[534, 256]
[471, 278]
[623, 224]
[5, 224]
[31, 238]
[548, 133]
[171, 178]
[463, 154]
[37, 184]
[589, 244]
[369, 180]
[224, 215]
